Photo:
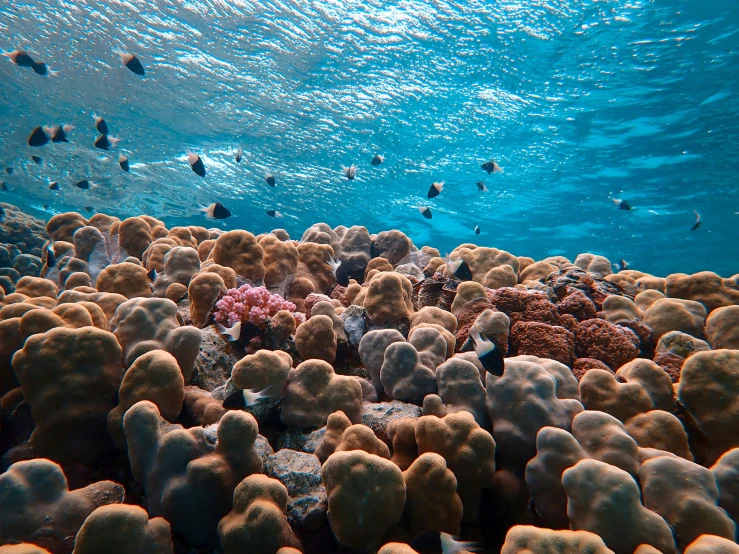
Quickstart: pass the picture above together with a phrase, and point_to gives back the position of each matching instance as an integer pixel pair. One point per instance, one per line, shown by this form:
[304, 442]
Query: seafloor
[368, 418]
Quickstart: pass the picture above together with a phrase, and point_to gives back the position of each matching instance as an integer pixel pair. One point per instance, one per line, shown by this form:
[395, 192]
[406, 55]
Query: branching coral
[251, 304]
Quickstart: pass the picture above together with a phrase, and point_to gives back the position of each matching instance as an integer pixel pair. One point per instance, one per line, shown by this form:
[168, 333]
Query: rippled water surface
[578, 101]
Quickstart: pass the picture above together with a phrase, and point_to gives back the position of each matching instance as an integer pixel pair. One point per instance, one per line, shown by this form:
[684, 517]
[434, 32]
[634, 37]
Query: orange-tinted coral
[577, 305]
[611, 344]
[543, 341]
[581, 366]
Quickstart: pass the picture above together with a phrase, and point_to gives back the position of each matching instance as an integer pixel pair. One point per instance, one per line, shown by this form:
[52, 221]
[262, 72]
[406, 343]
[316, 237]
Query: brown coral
[611, 344]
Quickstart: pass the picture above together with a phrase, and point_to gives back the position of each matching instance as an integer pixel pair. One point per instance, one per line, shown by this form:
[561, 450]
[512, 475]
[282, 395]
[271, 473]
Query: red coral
[312, 299]
[671, 363]
[543, 340]
[604, 341]
[522, 305]
[569, 322]
[578, 305]
[644, 332]
[583, 365]
[338, 293]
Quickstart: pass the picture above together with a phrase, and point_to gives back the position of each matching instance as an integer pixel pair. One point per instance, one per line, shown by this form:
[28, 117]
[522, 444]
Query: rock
[355, 325]
[300, 472]
[411, 270]
[213, 365]
[300, 439]
[378, 416]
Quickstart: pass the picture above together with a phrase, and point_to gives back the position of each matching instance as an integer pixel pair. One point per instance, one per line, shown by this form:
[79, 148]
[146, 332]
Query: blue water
[578, 101]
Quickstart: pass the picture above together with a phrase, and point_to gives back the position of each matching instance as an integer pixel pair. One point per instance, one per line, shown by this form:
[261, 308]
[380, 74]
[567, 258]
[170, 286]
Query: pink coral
[611, 344]
[253, 305]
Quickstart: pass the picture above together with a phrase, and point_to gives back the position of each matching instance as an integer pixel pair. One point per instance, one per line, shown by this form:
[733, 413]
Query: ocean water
[578, 101]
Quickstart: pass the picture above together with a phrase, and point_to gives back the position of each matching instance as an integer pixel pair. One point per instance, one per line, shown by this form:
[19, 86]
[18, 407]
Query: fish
[425, 212]
[621, 204]
[378, 159]
[84, 184]
[59, 132]
[9, 170]
[39, 136]
[350, 172]
[460, 269]
[477, 229]
[45, 207]
[239, 154]
[50, 255]
[621, 265]
[100, 124]
[491, 167]
[273, 213]
[3, 186]
[270, 179]
[697, 221]
[481, 186]
[53, 185]
[2, 214]
[89, 209]
[123, 162]
[248, 397]
[435, 189]
[234, 331]
[105, 142]
[42, 69]
[37, 159]
[196, 164]
[488, 353]
[19, 57]
[216, 211]
[152, 274]
[339, 270]
[437, 542]
[131, 62]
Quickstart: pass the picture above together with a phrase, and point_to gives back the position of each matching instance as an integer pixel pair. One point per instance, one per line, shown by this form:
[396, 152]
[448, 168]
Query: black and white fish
[239, 155]
[270, 179]
[100, 124]
[19, 57]
[40, 68]
[2, 214]
[436, 542]
[621, 204]
[4, 187]
[425, 211]
[37, 160]
[84, 184]
[378, 159]
[152, 274]
[350, 172]
[435, 189]
[460, 269]
[233, 332]
[106, 142]
[339, 270]
[39, 136]
[50, 255]
[489, 355]
[697, 221]
[9, 170]
[123, 162]
[131, 62]
[59, 132]
[273, 213]
[481, 186]
[621, 265]
[196, 164]
[216, 211]
[53, 185]
[89, 209]
[248, 397]
[477, 229]
[491, 167]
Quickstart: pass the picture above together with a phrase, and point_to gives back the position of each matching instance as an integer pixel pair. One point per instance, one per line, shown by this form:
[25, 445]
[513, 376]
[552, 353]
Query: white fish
[248, 397]
[335, 264]
[234, 331]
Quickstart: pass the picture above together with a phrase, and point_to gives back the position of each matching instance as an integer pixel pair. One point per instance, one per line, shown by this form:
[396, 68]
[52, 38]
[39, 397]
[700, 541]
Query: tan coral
[61, 227]
[108, 302]
[257, 523]
[661, 430]
[313, 265]
[342, 436]
[705, 287]
[176, 292]
[227, 274]
[127, 279]
[722, 328]
[389, 298]
[180, 264]
[280, 260]
[316, 339]
[314, 391]
[123, 529]
[36, 504]
[501, 276]
[392, 245]
[35, 287]
[204, 290]
[481, 260]
[670, 314]
[432, 314]
[377, 264]
[261, 370]
[240, 251]
[598, 266]
[366, 496]
[620, 308]
[69, 379]
[466, 292]
[134, 236]
[527, 539]
[710, 544]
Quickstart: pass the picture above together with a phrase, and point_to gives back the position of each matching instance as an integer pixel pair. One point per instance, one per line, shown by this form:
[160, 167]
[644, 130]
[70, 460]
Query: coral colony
[482, 402]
